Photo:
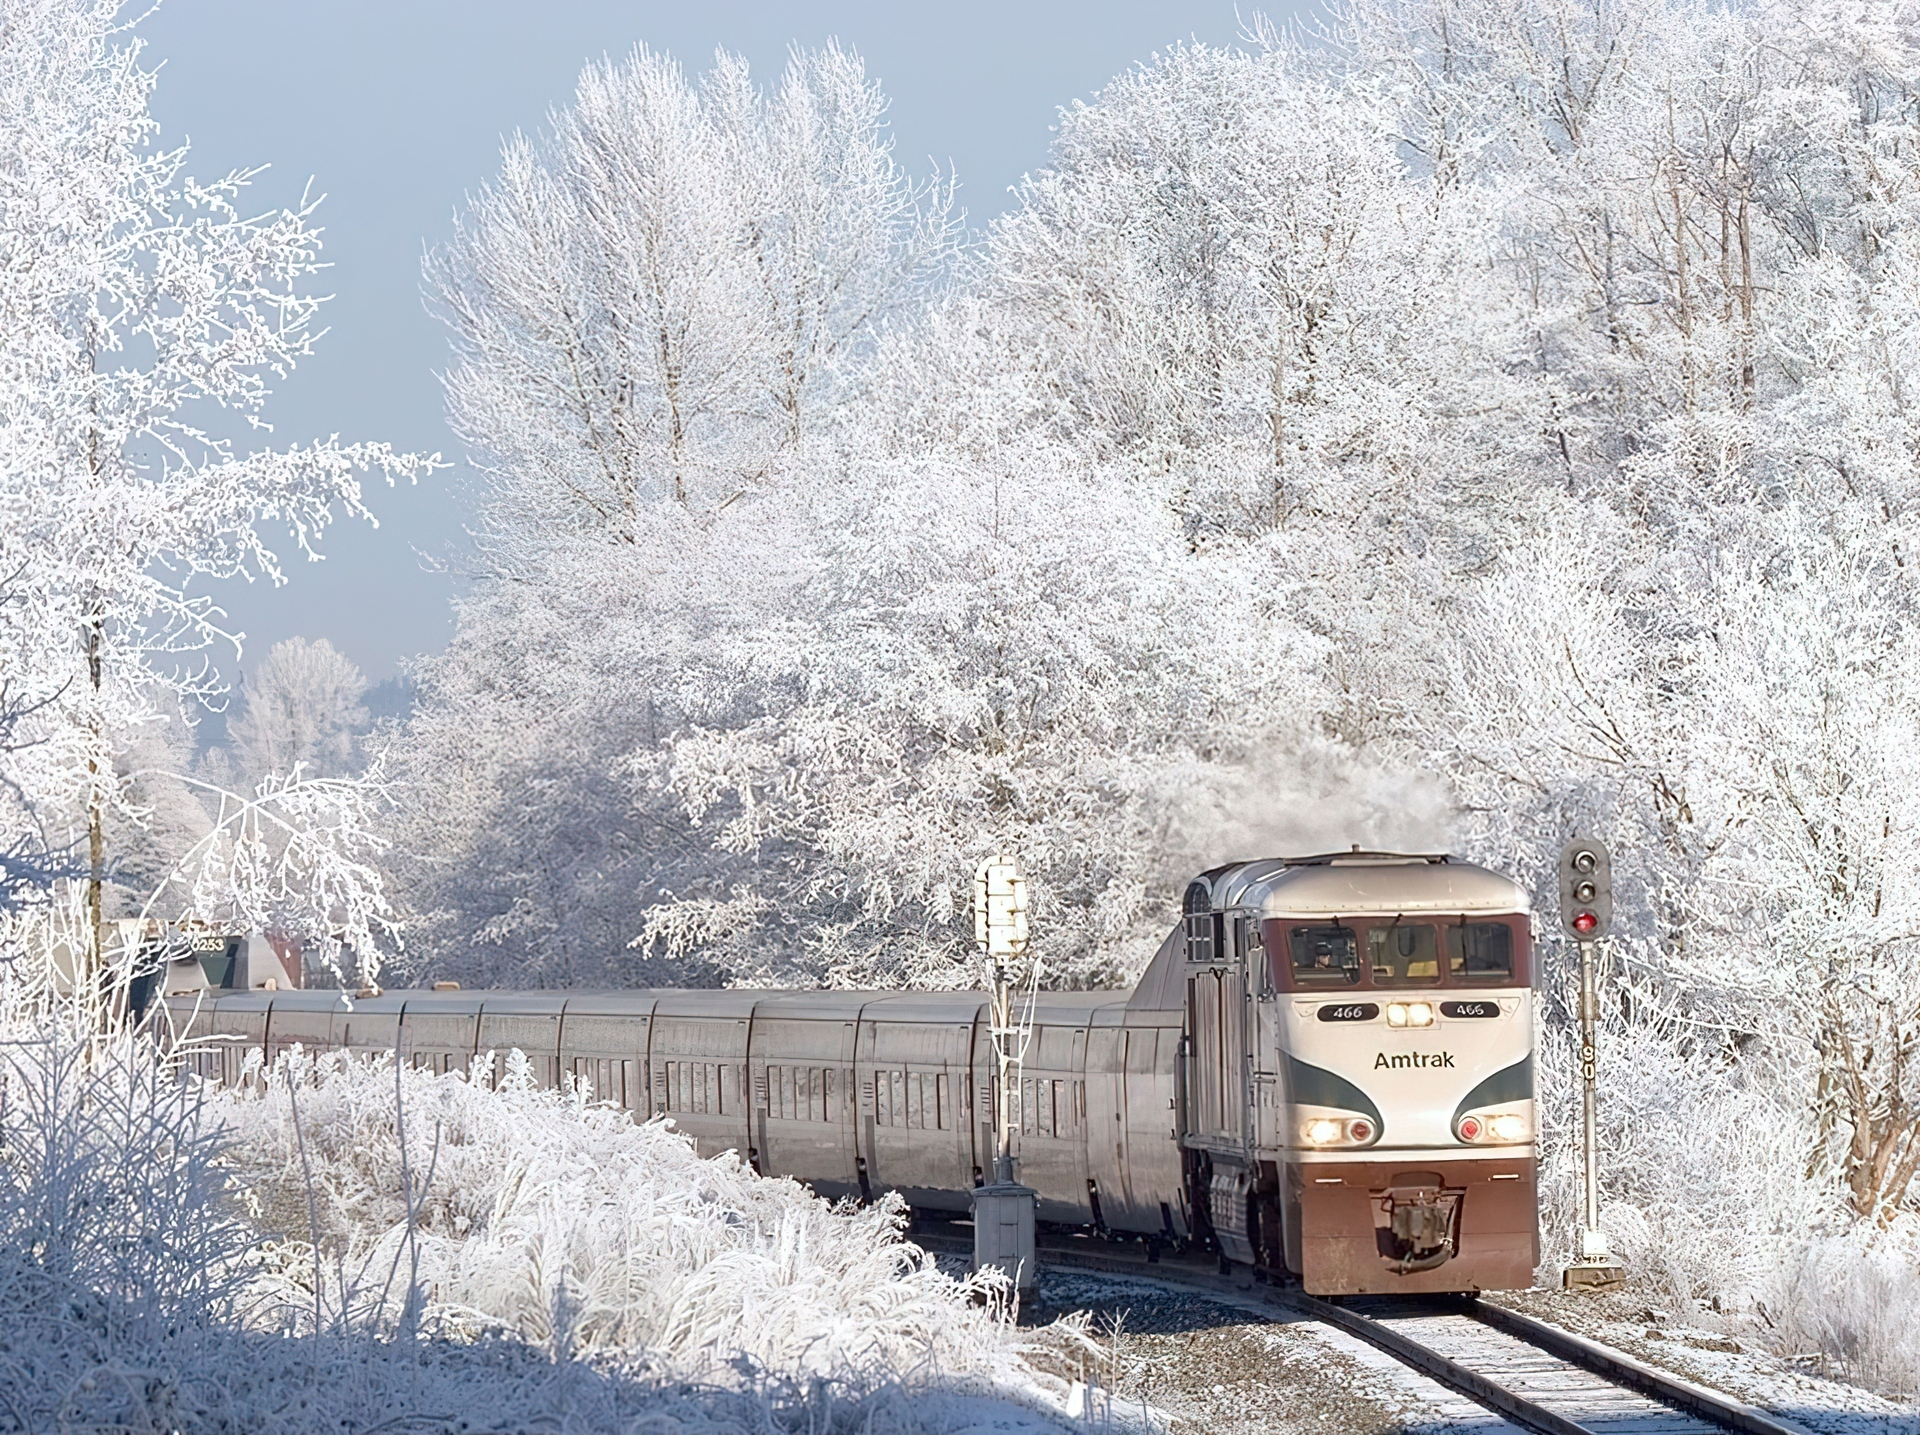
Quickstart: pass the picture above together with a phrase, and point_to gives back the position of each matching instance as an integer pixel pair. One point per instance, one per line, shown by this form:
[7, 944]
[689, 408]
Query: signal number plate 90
[1349, 1011]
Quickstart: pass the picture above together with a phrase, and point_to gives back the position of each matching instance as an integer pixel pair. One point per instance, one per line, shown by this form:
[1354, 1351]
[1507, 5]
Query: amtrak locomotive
[1326, 1073]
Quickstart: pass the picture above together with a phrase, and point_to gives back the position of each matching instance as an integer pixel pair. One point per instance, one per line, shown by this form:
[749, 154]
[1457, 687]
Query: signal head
[1586, 890]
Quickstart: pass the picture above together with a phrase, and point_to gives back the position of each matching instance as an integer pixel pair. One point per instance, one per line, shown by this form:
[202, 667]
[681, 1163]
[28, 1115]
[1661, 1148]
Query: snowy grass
[486, 1261]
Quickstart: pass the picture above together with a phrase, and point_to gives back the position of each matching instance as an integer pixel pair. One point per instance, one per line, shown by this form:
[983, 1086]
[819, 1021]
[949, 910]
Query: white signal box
[1000, 907]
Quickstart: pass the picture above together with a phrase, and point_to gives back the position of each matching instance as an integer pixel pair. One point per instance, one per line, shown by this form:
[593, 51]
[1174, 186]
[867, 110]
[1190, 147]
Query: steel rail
[1623, 1369]
[1448, 1372]
[1610, 1364]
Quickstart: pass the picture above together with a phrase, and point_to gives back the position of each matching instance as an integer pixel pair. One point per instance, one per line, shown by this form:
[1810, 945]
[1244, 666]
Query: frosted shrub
[543, 1215]
[1694, 1142]
[116, 1264]
[1855, 1301]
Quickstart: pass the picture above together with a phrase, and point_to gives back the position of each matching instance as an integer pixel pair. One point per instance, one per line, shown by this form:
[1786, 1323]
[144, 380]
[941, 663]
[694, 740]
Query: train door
[371, 1026]
[438, 1030]
[980, 1081]
[1266, 1108]
[237, 1027]
[603, 1047]
[1152, 1153]
[1052, 1118]
[526, 1022]
[304, 1019]
[698, 1066]
[1107, 1118]
[1133, 1157]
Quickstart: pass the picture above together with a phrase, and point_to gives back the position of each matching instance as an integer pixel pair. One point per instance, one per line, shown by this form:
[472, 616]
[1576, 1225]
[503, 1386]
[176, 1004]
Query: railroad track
[1535, 1375]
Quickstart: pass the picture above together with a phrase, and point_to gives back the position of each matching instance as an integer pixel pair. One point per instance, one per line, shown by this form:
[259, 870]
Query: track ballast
[1536, 1376]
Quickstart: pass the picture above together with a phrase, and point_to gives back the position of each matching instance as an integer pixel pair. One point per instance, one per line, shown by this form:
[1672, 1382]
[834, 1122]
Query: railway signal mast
[1003, 1209]
[1586, 914]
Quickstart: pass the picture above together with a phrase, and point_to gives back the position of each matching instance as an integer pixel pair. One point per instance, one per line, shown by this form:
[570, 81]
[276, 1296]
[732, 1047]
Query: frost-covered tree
[658, 301]
[140, 311]
[1023, 655]
[301, 708]
[656, 309]
[1705, 220]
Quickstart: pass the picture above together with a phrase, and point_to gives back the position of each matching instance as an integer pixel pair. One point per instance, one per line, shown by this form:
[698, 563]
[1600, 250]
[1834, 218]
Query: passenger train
[1326, 1073]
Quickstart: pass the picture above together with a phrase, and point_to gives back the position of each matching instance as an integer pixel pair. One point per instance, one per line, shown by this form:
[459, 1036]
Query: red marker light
[1470, 1129]
[1584, 922]
[1359, 1130]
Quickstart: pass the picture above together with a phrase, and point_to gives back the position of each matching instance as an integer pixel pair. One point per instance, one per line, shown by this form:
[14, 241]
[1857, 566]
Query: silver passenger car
[853, 1093]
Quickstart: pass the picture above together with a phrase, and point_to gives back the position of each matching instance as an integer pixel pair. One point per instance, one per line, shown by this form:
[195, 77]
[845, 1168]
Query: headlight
[1329, 1131]
[1509, 1126]
[1409, 1013]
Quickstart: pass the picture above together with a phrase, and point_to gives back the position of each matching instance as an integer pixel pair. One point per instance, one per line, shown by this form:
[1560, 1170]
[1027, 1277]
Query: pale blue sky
[396, 109]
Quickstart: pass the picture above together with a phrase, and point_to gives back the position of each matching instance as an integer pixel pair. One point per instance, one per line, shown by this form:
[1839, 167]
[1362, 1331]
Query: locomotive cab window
[1324, 957]
[1405, 954]
[1480, 954]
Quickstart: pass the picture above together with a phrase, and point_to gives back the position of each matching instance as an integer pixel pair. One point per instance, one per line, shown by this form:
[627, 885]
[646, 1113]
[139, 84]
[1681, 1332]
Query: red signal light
[1470, 1129]
[1359, 1130]
[1584, 922]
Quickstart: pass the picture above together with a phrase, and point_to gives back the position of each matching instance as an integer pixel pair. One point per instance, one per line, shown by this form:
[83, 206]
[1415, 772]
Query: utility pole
[1003, 1209]
[1586, 913]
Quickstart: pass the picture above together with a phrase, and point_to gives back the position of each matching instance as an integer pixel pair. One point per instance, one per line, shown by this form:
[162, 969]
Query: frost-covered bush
[1691, 1141]
[1708, 1198]
[542, 1213]
[118, 1264]
[1855, 1301]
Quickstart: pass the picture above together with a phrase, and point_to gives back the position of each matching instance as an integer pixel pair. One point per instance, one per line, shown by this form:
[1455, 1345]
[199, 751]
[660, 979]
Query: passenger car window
[1405, 954]
[1324, 957]
[1480, 954]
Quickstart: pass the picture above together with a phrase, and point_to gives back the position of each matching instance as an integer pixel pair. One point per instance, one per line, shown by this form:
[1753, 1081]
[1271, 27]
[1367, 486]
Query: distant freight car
[1325, 1073]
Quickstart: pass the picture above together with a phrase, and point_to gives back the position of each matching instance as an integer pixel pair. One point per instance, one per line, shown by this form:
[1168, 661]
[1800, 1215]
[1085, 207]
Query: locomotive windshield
[1406, 954]
[1450, 952]
[1480, 954]
[1324, 957]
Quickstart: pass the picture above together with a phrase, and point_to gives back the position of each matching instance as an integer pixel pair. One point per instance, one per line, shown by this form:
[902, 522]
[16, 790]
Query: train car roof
[708, 1001]
[311, 999]
[922, 1006]
[447, 1003]
[546, 1003]
[739, 1003]
[386, 1003]
[811, 1005]
[1347, 883]
[1075, 1008]
[615, 1003]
